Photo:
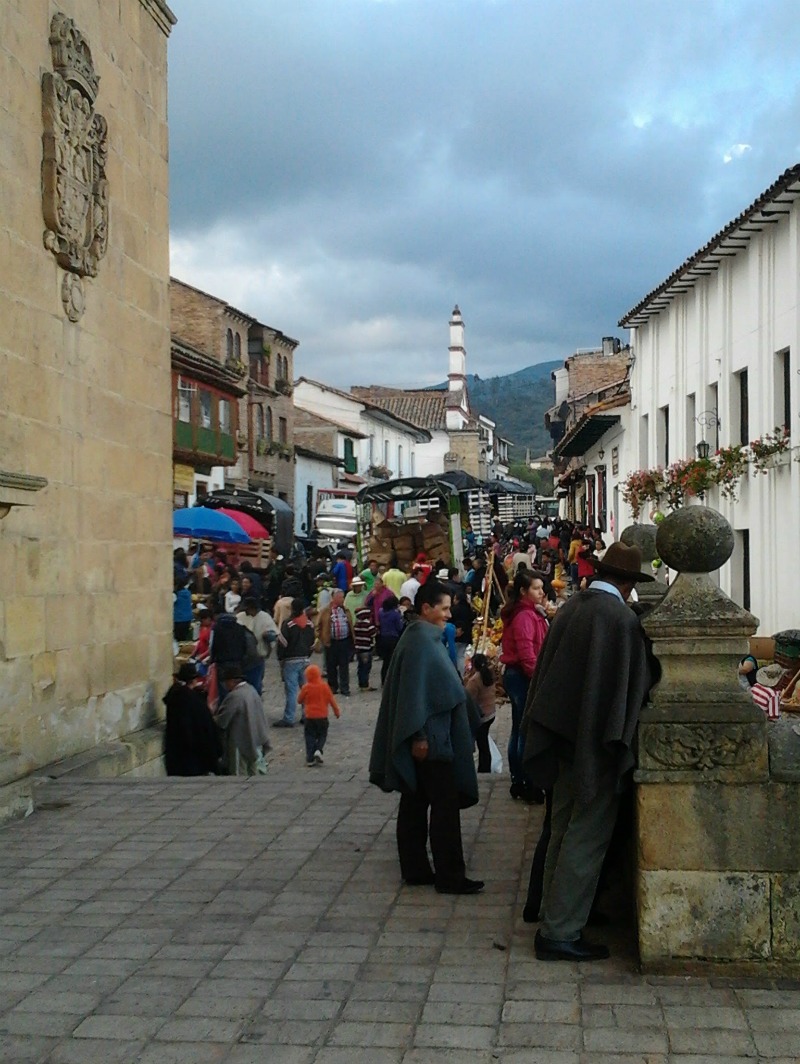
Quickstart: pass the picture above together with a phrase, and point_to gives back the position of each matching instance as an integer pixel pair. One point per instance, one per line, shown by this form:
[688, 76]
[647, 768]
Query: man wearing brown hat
[592, 677]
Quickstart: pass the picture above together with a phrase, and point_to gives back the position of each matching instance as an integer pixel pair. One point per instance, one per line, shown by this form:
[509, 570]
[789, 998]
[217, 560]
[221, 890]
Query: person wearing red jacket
[585, 559]
[524, 630]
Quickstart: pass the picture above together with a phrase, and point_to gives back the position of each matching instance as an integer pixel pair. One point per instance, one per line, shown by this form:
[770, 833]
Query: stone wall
[464, 451]
[717, 795]
[85, 598]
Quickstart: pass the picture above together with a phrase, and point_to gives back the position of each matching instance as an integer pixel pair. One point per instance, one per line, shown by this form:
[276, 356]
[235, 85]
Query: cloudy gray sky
[347, 170]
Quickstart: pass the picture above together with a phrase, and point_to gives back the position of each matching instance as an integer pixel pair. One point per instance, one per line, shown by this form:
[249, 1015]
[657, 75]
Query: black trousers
[387, 649]
[337, 661]
[482, 743]
[616, 854]
[536, 880]
[316, 732]
[436, 791]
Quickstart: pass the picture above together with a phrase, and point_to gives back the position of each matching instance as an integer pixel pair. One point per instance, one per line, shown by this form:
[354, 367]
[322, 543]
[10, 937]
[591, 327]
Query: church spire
[457, 372]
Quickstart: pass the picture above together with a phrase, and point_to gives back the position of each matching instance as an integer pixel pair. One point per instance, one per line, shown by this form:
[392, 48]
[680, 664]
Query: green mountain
[517, 402]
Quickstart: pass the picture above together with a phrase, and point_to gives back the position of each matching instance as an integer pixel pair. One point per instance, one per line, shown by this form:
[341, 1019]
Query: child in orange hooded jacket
[315, 697]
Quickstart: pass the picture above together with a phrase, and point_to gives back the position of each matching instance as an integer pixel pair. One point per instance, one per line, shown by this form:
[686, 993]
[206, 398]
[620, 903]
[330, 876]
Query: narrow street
[165, 921]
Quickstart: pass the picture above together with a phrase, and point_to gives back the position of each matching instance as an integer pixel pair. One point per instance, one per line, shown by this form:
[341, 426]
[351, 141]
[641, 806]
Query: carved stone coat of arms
[75, 149]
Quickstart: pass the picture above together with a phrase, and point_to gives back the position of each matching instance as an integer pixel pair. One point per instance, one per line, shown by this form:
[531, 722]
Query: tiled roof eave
[771, 205]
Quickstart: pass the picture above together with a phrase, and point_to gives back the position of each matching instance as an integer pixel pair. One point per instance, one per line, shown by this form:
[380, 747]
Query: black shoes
[552, 949]
[531, 795]
[282, 724]
[466, 886]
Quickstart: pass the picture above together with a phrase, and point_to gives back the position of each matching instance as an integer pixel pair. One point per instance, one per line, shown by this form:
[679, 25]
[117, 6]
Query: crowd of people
[574, 666]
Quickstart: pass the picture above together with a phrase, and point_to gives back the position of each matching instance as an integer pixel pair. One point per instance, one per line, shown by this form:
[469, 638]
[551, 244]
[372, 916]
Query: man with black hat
[191, 742]
[591, 680]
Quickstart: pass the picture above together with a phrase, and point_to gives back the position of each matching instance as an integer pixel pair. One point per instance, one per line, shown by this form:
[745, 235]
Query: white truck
[335, 519]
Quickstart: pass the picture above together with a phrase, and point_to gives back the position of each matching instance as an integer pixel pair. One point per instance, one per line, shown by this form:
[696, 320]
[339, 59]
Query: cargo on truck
[401, 518]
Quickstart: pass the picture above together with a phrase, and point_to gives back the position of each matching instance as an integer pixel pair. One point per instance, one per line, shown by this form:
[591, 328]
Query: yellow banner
[183, 478]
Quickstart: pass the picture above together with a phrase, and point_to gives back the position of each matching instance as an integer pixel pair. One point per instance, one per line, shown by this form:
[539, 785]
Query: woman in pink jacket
[524, 629]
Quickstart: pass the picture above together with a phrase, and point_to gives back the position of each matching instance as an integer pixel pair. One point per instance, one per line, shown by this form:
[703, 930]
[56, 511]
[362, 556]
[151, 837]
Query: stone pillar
[644, 537]
[702, 794]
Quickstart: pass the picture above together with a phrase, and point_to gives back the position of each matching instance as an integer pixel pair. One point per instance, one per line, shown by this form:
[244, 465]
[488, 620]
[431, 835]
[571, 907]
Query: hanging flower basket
[642, 486]
[730, 466]
[688, 478]
[767, 449]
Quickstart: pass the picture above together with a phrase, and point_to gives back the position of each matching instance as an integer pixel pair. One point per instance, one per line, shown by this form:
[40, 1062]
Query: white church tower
[457, 414]
[457, 375]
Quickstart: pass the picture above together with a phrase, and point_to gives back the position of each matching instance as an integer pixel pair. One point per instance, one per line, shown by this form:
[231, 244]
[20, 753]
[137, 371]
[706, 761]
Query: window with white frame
[186, 390]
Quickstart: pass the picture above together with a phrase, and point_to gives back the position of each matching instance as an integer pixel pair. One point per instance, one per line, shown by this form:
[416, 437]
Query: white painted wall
[319, 475]
[383, 441]
[430, 456]
[738, 317]
[214, 482]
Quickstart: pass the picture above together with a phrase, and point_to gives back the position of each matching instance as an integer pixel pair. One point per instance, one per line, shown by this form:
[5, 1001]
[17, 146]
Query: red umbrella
[253, 528]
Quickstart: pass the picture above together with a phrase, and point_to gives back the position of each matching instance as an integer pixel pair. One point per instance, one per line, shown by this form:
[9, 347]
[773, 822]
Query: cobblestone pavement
[171, 921]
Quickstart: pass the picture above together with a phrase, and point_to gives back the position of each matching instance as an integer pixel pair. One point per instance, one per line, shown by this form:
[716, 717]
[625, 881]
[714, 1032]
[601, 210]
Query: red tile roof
[427, 409]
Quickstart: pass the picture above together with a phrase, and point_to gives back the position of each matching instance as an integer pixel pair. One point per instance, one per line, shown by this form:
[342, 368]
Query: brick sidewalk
[264, 921]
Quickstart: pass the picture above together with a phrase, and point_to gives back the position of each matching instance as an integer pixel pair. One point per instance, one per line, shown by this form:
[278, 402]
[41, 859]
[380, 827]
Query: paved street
[171, 921]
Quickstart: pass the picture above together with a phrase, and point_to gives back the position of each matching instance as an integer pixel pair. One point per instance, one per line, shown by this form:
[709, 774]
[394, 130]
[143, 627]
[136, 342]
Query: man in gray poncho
[423, 748]
[244, 726]
[591, 680]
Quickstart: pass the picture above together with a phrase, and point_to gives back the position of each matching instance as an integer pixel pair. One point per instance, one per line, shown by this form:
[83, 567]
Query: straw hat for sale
[769, 675]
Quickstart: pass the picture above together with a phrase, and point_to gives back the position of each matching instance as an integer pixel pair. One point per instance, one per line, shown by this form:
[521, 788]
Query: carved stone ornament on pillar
[75, 149]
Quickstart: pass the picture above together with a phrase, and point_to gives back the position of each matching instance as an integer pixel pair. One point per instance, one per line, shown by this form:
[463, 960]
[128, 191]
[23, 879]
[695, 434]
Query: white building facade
[716, 360]
[315, 474]
[387, 446]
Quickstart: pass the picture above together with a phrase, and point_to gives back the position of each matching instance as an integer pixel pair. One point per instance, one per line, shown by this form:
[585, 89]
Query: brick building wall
[590, 372]
[314, 434]
[196, 317]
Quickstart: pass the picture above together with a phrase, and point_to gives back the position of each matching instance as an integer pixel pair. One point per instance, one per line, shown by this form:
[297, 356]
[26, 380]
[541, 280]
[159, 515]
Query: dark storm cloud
[348, 169]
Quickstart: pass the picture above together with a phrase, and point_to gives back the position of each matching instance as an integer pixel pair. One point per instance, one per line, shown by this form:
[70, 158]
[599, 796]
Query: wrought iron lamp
[706, 419]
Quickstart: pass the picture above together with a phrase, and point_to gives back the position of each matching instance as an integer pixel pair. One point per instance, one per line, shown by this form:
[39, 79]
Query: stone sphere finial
[643, 537]
[694, 539]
